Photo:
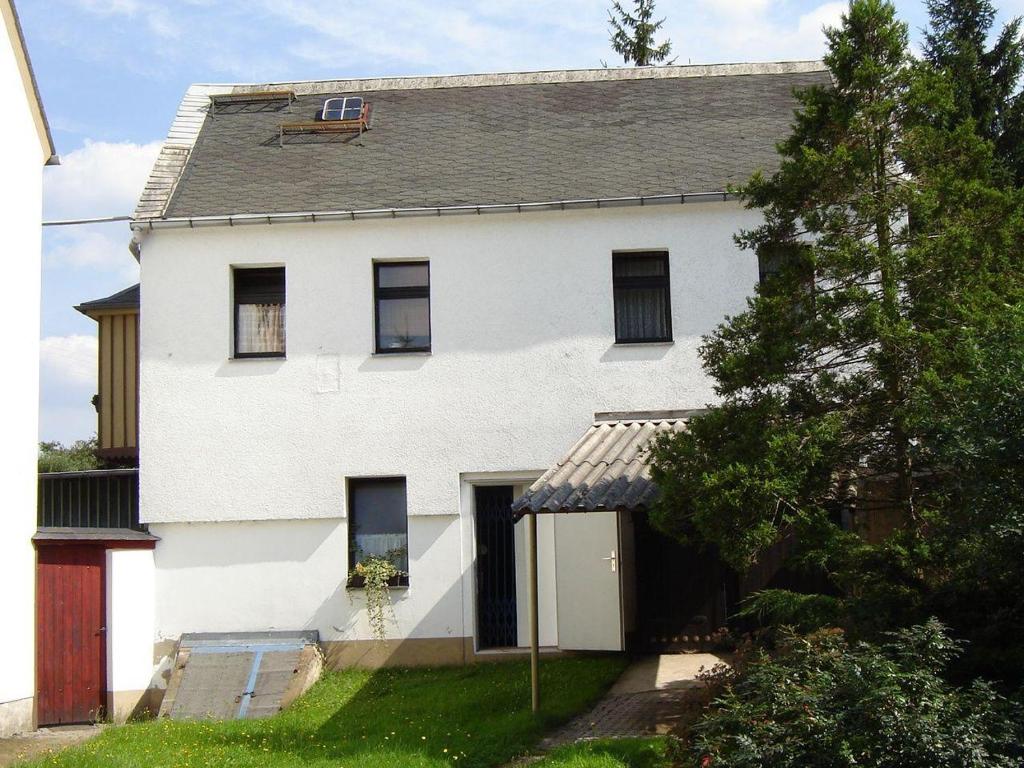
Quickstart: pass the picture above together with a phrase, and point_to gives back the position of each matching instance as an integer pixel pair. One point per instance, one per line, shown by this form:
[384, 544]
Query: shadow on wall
[265, 541]
[625, 353]
[307, 588]
[387, 363]
[437, 637]
[234, 368]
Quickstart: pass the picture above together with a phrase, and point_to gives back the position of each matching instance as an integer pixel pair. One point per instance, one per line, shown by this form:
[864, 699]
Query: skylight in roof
[344, 108]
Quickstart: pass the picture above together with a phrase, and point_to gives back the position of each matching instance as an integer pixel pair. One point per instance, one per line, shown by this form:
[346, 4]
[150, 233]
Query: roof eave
[28, 75]
[125, 299]
[297, 217]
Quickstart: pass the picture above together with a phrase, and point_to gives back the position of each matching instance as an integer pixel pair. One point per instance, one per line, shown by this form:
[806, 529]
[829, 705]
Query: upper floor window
[378, 522]
[259, 312]
[767, 267]
[402, 301]
[642, 309]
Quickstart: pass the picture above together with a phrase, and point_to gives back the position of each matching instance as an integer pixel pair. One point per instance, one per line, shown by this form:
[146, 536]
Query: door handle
[612, 559]
[101, 630]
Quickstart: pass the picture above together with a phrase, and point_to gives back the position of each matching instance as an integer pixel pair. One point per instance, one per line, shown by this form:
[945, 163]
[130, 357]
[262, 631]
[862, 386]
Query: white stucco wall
[130, 619]
[21, 162]
[287, 575]
[523, 355]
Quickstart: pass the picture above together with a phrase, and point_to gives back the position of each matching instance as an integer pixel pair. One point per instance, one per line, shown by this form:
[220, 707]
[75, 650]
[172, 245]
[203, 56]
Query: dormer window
[340, 114]
[344, 108]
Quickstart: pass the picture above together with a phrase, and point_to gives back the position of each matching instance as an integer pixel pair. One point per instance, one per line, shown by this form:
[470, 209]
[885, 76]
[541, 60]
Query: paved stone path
[657, 695]
[39, 743]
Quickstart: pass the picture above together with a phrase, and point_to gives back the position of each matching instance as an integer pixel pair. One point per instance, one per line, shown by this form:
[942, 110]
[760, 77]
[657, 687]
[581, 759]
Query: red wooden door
[71, 653]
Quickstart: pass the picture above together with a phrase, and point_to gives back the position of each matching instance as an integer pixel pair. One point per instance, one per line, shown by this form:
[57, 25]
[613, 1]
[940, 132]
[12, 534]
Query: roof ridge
[529, 77]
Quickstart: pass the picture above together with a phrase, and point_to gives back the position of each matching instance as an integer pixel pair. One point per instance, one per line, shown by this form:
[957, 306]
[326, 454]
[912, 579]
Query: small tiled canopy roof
[606, 469]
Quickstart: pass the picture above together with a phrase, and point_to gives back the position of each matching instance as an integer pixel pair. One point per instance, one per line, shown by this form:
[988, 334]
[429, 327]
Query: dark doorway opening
[495, 567]
[683, 593]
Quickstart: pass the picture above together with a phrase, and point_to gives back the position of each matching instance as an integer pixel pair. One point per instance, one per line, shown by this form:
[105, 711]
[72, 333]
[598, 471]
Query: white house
[369, 325]
[25, 148]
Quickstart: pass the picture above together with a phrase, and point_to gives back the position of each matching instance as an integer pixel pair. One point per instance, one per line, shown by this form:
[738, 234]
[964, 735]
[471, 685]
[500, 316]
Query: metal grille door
[495, 567]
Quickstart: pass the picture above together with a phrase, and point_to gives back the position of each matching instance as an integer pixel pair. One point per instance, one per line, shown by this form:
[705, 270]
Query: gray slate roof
[609, 134]
[127, 298]
[606, 469]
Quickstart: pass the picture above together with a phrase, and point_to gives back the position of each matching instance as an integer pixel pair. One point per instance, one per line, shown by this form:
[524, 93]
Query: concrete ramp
[229, 676]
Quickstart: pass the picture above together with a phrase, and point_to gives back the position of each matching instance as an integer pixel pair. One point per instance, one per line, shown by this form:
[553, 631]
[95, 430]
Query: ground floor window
[378, 521]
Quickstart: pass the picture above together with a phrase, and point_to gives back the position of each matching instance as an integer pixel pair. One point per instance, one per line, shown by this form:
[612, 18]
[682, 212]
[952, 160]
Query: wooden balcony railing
[98, 498]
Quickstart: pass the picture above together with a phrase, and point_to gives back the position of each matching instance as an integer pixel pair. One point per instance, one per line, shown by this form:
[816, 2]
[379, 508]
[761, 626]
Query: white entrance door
[588, 581]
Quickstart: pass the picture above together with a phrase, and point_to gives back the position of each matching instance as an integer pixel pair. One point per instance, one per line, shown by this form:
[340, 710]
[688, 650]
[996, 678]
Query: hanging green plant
[377, 574]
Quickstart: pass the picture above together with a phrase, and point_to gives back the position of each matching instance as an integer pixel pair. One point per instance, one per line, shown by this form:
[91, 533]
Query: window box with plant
[378, 544]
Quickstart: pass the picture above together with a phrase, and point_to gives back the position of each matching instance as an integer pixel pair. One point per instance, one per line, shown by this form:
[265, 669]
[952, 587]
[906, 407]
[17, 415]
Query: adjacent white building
[26, 147]
[369, 325]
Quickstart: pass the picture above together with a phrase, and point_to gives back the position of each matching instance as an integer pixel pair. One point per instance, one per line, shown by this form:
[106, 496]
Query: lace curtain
[641, 313]
[260, 328]
[392, 545]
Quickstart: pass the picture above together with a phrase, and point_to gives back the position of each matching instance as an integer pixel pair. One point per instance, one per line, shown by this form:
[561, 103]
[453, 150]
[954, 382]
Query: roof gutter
[298, 217]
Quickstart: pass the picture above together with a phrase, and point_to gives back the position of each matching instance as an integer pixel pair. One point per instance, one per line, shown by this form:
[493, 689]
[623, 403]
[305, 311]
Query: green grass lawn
[406, 718]
[613, 753]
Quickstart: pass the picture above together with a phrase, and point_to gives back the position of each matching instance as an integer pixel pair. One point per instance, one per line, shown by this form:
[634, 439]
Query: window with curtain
[768, 266]
[259, 312]
[378, 521]
[402, 301]
[642, 309]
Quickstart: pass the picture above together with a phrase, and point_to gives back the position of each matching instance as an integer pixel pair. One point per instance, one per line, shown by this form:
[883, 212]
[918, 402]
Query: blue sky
[111, 73]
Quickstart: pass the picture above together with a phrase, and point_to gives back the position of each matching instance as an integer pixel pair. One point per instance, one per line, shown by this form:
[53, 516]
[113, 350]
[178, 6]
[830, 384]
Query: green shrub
[77, 457]
[822, 700]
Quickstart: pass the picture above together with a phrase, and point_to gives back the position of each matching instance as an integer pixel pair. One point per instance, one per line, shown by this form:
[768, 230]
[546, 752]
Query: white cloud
[67, 423]
[68, 361]
[750, 30]
[110, 7]
[162, 24]
[737, 7]
[156, 15]
[97, 248]
[67, 382]
[273, 40]
[416, 37]
[99, 179]
[828, 15]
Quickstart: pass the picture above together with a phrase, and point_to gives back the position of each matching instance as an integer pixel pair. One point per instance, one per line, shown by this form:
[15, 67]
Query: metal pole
[534, 634]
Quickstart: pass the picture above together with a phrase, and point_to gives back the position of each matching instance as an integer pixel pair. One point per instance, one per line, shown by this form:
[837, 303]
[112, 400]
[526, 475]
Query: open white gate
[588, 581]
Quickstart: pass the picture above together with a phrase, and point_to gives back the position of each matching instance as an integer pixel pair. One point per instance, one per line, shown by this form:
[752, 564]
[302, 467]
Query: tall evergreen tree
[985, 79]
[886, 241]
[633, 34]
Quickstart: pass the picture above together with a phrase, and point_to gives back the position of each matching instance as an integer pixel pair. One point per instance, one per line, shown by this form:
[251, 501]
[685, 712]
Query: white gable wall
[21, 162]
[523, 355]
